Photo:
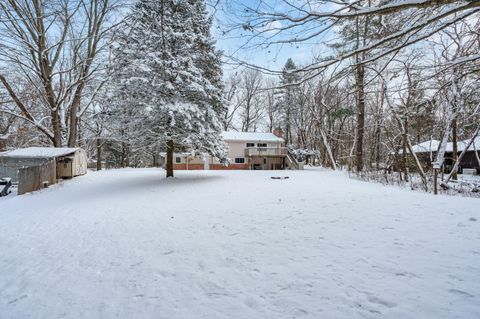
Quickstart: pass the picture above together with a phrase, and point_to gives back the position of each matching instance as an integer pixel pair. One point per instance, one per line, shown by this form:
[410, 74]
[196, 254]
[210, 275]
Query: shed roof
[426, 147]
[432, 146]
[40, 152]
[251, 136]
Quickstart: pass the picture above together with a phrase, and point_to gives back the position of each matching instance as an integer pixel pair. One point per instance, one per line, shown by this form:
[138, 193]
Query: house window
[239, 160]
[178, 160]
[250, 144]
[261, 144]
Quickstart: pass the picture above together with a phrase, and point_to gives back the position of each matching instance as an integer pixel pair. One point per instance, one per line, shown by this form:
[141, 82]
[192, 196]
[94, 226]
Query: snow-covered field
[130, 244]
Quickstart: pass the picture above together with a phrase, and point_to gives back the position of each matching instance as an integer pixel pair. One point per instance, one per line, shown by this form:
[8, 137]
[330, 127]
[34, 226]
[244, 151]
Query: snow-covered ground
[237, 244]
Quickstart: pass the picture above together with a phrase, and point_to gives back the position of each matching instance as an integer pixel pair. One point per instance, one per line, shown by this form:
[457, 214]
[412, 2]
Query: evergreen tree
[168, 67]
[287, 102]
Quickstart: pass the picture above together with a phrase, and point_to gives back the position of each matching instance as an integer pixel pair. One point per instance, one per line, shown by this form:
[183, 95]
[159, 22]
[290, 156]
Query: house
[37, 167]
[246, 150]
[427, 152]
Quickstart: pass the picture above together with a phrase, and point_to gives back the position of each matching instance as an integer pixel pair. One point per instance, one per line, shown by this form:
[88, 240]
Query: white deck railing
[266, 151]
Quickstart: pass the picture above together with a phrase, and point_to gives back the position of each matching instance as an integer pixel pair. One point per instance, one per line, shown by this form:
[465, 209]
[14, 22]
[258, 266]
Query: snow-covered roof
[251, 136]
[426, 147]
[40, 152]
[475, 145]
[432, 146]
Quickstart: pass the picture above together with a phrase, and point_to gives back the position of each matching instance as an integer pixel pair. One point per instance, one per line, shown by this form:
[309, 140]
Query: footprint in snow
[388, 228]
[299, 312]
[380, 301]
[251, 303]
[17, 299]
[407, 274]
[461, 293]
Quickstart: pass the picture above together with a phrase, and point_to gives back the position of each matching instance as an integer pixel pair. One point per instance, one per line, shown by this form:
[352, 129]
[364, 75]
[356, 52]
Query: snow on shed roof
[428, 146]
[432, 146]
[251, 136]
[462, 144]
[40, 152]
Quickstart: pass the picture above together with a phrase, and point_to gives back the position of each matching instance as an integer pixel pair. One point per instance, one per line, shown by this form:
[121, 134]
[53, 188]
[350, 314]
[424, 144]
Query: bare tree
[49, 53]
[234, 100]
[404, 23]
[251, 109]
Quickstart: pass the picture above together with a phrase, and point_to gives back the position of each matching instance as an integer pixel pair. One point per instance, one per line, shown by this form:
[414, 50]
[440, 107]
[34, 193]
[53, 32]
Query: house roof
[251, 136]
[432, 146]
[40, 152]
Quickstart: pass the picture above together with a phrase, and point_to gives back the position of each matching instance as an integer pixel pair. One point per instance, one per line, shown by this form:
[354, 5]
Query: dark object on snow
[5, 184]
[279, 177]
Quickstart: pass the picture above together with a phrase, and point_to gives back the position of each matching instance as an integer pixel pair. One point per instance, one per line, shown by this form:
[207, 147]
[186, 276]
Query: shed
[427, 151]
[69, 162]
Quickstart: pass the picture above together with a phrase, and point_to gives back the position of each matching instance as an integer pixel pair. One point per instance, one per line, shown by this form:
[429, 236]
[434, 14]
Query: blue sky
[235, 41]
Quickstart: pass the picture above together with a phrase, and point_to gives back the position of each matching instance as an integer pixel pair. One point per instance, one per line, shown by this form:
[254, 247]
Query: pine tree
[287, 98]
[170, 69]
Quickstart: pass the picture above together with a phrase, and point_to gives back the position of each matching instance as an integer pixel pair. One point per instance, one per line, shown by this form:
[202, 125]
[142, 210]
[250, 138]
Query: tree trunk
[404, 149]
[74, 108]
[57, 133]
[453, 173]
[360, 79]
[378, 132]
[125, 155]
[169, 165]
[419, 165]
[99, 154]
[329, 150]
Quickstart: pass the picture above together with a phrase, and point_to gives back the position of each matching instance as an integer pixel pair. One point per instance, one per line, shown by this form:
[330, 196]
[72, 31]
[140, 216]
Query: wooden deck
[266, 152]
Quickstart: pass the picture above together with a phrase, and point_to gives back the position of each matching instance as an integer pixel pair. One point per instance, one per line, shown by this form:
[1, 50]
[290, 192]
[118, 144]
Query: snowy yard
[236, 244]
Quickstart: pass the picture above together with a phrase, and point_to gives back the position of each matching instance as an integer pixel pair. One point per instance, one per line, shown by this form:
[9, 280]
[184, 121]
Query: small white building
[69, 162]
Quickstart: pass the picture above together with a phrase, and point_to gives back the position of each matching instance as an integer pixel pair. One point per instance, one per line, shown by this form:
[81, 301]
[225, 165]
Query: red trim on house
[195, 167]
[229, 167]
[191, 167]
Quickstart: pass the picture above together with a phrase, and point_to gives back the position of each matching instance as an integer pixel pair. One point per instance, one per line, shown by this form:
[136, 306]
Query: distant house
[427, 152]
[37, 167]
[246, 150]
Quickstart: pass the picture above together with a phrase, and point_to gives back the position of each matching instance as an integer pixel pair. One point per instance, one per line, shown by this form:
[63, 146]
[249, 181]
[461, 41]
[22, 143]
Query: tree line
[130, 82]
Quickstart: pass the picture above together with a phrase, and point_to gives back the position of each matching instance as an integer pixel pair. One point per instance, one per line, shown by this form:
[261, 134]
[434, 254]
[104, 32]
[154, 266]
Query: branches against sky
[269, 25]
